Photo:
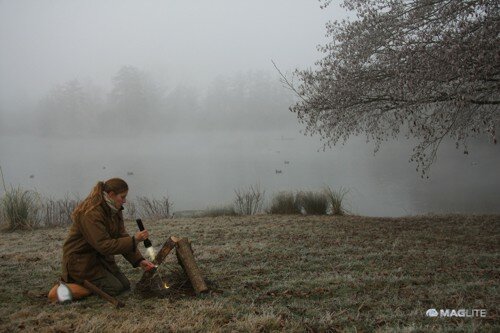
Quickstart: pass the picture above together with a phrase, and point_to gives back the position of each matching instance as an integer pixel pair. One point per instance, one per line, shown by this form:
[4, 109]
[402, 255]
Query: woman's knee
[115, 290]
[111, 285]
[123, 279]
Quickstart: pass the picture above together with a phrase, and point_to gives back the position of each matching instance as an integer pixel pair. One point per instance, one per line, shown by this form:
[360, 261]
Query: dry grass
[20, 209]
[336, 200]
[225, 210]
[313, 202]
[284, 203]
[27, 209]
[281, 273]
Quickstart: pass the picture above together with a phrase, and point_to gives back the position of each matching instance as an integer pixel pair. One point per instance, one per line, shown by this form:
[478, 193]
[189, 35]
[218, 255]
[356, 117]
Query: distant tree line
[136, 104]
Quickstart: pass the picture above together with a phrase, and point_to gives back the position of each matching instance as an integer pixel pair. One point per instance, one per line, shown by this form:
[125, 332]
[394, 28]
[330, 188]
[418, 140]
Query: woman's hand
[141, 235]
[146, 265]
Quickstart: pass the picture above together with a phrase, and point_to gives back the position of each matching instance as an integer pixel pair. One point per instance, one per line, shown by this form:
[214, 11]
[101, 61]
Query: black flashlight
[147, 242]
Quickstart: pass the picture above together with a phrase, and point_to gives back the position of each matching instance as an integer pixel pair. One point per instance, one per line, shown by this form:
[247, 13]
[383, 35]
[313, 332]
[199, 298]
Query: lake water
[198, 170]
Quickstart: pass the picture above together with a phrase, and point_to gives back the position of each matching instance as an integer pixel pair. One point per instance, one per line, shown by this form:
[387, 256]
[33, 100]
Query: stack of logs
[150, 281]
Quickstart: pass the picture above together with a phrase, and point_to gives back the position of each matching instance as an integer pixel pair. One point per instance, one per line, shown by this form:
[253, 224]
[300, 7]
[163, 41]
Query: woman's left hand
[146, 265]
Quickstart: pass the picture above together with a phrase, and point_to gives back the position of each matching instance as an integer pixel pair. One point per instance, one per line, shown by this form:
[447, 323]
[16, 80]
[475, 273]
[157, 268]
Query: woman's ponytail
[95, 198]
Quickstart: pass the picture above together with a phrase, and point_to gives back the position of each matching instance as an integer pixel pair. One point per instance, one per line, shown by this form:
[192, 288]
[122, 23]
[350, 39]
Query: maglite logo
[432, 313]
[463, 313]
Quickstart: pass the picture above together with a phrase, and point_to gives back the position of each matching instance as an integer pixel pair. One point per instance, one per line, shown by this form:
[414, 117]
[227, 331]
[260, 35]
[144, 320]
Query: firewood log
[144, 282]
[185, 254]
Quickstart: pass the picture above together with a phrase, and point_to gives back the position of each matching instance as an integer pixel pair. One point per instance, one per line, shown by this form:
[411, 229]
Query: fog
[45, 43]
[181, 99]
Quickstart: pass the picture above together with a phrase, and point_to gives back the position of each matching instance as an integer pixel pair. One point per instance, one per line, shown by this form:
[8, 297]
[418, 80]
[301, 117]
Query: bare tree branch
[429, 68]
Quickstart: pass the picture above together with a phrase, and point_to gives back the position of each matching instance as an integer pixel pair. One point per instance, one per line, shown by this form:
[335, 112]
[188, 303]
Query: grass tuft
[284, 203]
[20, 209]
[336, 200]
[314, 203]
[26, 209]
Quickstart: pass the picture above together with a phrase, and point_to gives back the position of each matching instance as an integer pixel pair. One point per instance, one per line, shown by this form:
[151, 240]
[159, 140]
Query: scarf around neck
[110, 202]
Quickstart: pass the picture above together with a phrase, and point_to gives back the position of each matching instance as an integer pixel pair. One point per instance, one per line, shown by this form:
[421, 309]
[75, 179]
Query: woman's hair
[95, 198]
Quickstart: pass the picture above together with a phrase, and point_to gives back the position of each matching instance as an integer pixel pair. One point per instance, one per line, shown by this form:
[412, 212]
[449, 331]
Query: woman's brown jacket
[93, 240]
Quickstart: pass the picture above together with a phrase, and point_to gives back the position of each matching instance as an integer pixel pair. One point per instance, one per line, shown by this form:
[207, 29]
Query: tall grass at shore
[313, 202]
[336, 200]
[326, 201]
[20, 209]
[28, 209]
[284, 203]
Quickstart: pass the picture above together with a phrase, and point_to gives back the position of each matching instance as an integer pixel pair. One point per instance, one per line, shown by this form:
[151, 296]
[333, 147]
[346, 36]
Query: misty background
[181, 99]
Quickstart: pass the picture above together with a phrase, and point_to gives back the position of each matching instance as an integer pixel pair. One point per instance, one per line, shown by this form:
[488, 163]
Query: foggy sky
[45, 43]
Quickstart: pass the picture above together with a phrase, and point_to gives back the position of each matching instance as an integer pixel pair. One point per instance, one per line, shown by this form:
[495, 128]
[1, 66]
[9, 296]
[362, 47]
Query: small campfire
[172, 281]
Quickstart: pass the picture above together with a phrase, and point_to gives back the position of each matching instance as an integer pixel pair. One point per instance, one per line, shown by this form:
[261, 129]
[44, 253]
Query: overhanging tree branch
[430, 67]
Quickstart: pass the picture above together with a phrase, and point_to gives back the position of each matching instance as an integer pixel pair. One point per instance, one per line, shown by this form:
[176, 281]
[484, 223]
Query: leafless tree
[57, 212]
[249, 201]
[130, 210]
[154, 208]
[429, 69]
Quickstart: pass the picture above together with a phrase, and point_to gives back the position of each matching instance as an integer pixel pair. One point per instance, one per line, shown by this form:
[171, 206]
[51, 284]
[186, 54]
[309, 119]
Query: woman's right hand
[141, 235]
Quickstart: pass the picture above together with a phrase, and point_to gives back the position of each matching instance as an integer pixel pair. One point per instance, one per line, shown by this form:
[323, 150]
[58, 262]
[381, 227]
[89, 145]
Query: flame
[151, 253]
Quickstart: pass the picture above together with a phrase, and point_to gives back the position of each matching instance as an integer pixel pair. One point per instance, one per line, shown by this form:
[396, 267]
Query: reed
[20, 209]
[336, 200]
[313, 202]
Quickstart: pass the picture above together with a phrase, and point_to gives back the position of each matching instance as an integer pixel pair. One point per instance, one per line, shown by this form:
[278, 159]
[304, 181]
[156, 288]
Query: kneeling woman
[96, 235]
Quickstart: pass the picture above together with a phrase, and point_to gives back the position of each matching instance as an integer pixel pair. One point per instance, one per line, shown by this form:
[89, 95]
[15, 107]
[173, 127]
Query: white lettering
[469, 313]
[444, 313]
